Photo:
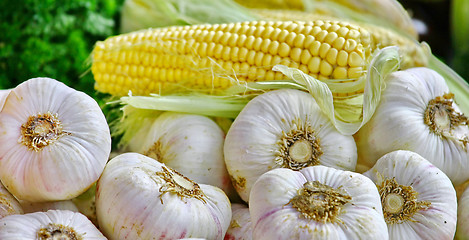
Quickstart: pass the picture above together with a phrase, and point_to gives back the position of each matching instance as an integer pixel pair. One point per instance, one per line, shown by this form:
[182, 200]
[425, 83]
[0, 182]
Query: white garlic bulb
[462, 227]
[316, 202]
[53, 224]
[54, 141]
[140, 198]
[30, 207]
[283, 128]
[417, 113]
[189, 143]
[9, 205]
[418, 199]
[240, 226]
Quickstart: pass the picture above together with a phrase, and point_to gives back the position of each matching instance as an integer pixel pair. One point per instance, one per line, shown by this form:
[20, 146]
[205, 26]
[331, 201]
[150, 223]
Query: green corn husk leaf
[209, 105]
[141, 14]
[460, 24]
[460, 36]
[139, 112]
[348, 115]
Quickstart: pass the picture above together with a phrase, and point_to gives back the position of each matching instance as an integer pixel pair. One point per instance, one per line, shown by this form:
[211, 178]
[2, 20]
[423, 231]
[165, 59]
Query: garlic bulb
[54, 141]
[462, 227]
[417, 113]
[283, 128]
[191, 144]
[316, 202]
[140, 198]
[240, 226]
[8, 203]
[30, 207]
[418, 199]
[53, 224]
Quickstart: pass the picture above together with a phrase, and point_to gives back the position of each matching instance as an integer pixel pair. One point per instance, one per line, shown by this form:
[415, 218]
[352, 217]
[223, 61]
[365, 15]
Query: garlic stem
[393, 203]
[299, 147]
[399, 202]
[320, 202]
[301, 151]
[179, 184]
[441, 117]
[54, 231]
[41, 130]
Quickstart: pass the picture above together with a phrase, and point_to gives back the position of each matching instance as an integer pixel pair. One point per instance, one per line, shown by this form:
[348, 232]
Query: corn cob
[215, 57]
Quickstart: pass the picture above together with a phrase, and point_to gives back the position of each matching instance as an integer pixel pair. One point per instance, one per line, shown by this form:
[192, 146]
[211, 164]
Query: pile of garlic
[281, 170]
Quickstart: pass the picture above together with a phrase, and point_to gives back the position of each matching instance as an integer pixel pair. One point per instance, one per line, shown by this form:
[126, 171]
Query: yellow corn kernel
[215, 57]
[346, 37]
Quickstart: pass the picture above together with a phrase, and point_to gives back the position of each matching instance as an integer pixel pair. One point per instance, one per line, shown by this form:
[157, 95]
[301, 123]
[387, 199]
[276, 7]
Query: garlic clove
[140, 198]
[240, 226]
[53, 224]
[317, 202]
[54, 140]
[283, 128]
[417, 113]
[191, 144]
[9, 205]
[418, 199]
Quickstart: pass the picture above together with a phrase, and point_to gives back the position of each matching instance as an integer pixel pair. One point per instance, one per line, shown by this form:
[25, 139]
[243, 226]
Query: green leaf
[349, 115]
[141, 14]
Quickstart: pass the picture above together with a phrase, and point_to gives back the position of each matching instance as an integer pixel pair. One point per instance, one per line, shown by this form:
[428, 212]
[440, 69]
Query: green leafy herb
[53, 39]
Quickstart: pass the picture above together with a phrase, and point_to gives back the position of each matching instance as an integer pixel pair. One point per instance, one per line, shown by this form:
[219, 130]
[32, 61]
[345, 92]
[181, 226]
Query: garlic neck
[301, 151]
[393, 203]
[298, 148]
[319, 202]
[41, 130]
[443, 119]
[399, 202]
[58, 232]
[155, 151]
[176, 183]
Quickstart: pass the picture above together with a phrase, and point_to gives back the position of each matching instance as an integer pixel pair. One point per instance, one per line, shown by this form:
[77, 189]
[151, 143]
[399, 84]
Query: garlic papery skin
[140, 198]
[53, 224]
[417, 113]
[240, 226]
[3, 95]
[462, 227]
[9, 205]
[283, 128]
[54, 141]
[191, 144]
[418, 199]
[30, 207]
[317, 202]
